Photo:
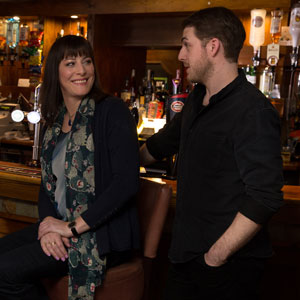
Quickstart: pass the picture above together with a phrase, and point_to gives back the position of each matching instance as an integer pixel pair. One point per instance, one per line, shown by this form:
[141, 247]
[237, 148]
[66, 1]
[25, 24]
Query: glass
[286, 154]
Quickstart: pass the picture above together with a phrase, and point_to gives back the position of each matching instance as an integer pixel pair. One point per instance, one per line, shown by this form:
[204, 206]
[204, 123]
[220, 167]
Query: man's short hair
[221, 23]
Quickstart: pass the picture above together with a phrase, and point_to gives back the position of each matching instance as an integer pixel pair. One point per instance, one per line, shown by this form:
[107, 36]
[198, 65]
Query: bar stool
[130, 281]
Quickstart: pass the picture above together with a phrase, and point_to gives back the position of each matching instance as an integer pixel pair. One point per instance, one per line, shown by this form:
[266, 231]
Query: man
[229, 167]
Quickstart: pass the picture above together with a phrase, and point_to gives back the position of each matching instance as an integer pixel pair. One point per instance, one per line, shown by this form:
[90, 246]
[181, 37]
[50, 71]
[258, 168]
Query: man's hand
[212, 261]
[239, 233]
[55, 245]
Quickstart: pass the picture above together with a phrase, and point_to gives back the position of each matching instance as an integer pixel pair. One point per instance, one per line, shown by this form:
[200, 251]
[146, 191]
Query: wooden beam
[68, 7]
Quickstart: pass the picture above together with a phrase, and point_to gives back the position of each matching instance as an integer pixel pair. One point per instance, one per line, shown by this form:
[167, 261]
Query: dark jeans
[194, 280]
[23, 263]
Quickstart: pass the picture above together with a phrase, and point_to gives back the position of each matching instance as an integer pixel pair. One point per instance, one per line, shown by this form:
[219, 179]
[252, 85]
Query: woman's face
[76, 76]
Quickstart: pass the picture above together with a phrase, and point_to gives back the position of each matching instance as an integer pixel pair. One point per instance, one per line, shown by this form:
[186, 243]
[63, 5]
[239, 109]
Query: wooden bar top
[291, 193]
[25, 175]
[27, 143]
[19, 181]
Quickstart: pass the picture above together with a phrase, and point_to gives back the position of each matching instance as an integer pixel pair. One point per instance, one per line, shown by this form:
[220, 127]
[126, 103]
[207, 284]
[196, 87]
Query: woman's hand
[55, 245]
[50, 224]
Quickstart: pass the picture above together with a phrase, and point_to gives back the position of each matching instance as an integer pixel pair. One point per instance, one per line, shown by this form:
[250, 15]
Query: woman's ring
[52, 243]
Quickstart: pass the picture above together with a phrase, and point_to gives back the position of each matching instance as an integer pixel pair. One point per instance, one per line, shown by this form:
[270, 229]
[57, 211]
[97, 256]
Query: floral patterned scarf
[86, 268]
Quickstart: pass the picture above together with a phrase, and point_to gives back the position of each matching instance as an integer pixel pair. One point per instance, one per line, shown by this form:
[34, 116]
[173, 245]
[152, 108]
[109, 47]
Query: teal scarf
[86, 268]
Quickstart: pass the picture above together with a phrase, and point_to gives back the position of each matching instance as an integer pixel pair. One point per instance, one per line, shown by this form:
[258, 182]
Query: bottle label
[295, 18]
[273, 54]
[176, 106]
[257, 21]
[275, 25]
[251, 79]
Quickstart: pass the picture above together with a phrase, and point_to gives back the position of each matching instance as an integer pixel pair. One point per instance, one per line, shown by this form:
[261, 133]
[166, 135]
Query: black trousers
[23, 263]
[238, 279]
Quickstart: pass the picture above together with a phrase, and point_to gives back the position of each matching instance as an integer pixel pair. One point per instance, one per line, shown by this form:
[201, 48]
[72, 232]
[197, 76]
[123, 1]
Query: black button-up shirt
[228, 161]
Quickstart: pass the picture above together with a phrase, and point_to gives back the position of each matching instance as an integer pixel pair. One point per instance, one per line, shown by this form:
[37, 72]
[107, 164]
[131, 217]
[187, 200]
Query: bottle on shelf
[24, 34]
[265, 81]
[162, 95]
[251, 76]
[275, 93]
[257, 32]
[12, 32]
[148, 90]
[275, 29]
[142, 109]
[152, 107]
[125, 93]
[132, 86]
[176, 83]
[133, 107]
[294, 30]
[2, 32]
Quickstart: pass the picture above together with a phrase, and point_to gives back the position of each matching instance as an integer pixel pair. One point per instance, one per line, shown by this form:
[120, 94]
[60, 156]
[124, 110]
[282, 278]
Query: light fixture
[16, 18]
[74, 17]
[17, 115]
[33, 117]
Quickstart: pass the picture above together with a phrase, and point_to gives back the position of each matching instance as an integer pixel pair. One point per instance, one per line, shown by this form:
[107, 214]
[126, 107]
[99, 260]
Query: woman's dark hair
[221, 23]
[50, 96]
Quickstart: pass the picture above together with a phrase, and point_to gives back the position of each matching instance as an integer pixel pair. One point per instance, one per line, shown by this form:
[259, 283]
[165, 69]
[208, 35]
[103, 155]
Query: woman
[89, 163]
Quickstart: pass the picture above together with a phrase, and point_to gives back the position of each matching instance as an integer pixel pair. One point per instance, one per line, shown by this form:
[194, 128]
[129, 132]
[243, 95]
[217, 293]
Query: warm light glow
[33, 117]
[74, 17]
[16, 18]
[156, 124]
[17, 115]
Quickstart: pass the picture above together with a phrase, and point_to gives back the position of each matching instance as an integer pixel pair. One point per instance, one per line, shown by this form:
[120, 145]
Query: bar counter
[19, 186]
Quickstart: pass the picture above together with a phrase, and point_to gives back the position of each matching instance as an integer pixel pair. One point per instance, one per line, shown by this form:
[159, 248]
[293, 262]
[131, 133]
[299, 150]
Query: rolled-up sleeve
[257, 151]
[166, 142]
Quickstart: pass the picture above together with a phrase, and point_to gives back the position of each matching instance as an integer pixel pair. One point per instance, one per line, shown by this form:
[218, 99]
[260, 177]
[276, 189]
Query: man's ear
[213, 46]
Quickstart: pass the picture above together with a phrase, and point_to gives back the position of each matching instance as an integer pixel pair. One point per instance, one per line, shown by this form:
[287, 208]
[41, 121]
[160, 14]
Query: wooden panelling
[167, 58]
[53, 26]
[9, 225]
[19, 190]
[68, 7]
[114, 63]
[147, 30]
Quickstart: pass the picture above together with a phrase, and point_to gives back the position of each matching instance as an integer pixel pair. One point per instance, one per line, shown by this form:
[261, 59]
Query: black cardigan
[113, 214]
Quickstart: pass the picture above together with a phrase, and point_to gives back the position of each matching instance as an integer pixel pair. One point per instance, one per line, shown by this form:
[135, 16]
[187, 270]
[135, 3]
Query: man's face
[194, 56]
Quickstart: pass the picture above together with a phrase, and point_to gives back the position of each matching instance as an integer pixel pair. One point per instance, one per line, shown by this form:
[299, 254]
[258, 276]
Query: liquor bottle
[134, 110]
[257, 32]
[275, 93]
[176, 82]
[2, 57]
[125, 93]
[294, 29]
[24, 34]
[252, 75]
[2, 32]
[12, 32]
[265, 81]
[162, 96]
[132, 86]
[78, 33]
[152, 107]
[12, 56]
[148, 90]
[275, 29]
[142, 109]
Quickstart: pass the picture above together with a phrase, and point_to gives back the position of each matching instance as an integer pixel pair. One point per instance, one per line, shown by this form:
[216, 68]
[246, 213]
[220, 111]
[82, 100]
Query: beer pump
[34, 118]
